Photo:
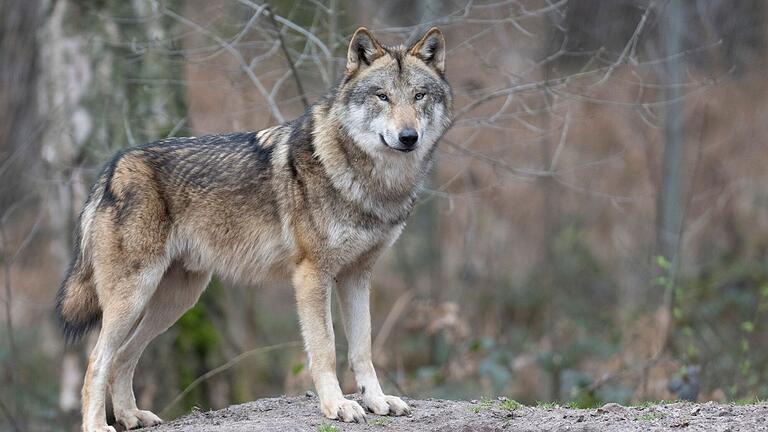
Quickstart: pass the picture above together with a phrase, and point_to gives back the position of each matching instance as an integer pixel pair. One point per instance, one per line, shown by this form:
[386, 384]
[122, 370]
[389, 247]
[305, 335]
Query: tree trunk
[669, 212]
[103, 86]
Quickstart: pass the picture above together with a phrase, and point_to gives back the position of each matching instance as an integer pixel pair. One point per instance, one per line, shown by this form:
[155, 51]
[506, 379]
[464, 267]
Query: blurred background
[595, 229]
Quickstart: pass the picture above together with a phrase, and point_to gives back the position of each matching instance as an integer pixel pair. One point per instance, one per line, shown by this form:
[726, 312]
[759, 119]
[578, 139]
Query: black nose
[408, 137]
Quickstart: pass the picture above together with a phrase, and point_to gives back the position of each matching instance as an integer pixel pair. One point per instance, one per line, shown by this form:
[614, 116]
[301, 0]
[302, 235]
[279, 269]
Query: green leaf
[744, 345]
[662, 262]
[748, 326]
[297, 368]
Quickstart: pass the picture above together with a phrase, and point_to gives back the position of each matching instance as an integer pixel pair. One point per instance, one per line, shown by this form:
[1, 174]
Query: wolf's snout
[408, 137]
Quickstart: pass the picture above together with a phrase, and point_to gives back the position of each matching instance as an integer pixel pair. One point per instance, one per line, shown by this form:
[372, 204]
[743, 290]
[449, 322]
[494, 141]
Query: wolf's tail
[77, 303]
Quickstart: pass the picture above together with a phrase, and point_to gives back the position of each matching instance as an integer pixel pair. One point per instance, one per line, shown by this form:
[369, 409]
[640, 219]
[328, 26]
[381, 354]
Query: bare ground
[288, 414]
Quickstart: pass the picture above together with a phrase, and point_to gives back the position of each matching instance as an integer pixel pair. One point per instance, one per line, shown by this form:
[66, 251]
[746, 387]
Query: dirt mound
[288, 414]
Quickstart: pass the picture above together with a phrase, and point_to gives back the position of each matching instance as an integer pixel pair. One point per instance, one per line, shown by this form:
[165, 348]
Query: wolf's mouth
[400, 149]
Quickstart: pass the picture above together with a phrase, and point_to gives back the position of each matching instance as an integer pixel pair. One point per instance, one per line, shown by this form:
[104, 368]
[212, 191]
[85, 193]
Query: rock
[301, 413]
[724, 412]
[611, 408]
[696, 411]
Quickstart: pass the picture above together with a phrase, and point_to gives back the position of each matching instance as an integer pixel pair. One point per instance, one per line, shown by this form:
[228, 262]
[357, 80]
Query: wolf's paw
[134, 419]
[99, 429]
[384, 405]
[344, 410]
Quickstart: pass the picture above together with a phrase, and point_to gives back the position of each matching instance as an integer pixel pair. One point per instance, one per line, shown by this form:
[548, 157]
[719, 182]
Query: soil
[288, 414]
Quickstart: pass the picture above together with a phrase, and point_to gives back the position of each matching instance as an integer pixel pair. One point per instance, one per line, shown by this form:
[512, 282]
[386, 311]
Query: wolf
[314, 201]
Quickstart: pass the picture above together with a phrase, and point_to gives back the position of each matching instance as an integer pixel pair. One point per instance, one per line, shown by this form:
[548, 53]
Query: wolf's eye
[419, 96]
[382, 97]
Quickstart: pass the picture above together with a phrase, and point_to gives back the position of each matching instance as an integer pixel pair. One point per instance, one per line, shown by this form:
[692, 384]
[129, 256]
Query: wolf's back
[155, 177]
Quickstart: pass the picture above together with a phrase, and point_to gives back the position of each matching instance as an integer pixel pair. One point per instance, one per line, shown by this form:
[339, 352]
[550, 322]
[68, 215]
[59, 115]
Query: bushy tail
[77, 303]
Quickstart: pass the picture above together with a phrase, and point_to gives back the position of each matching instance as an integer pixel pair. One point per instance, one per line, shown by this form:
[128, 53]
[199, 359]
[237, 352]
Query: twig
[397, 309]
[288, 59]
[551, 83]
[14, 425]
[236, 54]
[9, 259]
[293, 26]
[521, 173]
[333, 28]
[462, 16]
[392, 379]
[224, 367]
[629, 46]
[561, 144]
[127, 126]
[177, 127]
[12, 357]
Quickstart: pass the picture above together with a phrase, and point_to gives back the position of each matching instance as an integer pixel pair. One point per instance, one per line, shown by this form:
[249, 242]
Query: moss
[651, 416]
[510, 405]
[197, 340]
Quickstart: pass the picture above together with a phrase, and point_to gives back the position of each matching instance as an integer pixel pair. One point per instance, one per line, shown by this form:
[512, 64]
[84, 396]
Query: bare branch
[288, 59]
[629, 46]
[236, 54]
[293, 26]
[237, 359]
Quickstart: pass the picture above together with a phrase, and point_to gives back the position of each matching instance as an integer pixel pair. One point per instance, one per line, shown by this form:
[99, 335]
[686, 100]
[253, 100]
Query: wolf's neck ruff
[386, 186]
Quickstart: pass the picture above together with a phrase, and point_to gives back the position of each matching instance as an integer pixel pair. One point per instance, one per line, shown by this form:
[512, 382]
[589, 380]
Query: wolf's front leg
[313, 298]
[354, 297]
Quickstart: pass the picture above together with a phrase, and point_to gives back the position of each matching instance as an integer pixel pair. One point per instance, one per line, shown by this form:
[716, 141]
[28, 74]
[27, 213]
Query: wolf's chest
[348, 237]
[348, 242]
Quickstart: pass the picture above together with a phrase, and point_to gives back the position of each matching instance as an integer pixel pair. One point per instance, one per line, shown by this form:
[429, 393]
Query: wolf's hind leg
[178, 291]
[354, 299]
[123, 301]
[313, 298]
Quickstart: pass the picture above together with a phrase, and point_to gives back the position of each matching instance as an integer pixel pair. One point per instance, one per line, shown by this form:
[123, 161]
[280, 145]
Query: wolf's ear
[431, 49]
[363, 50]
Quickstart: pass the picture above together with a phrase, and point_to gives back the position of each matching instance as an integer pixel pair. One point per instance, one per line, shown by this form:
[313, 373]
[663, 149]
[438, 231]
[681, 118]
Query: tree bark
[669, 212]
[103, 86]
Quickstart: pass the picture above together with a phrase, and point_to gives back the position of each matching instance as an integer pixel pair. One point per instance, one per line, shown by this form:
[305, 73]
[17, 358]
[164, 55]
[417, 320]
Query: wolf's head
[395, 101]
